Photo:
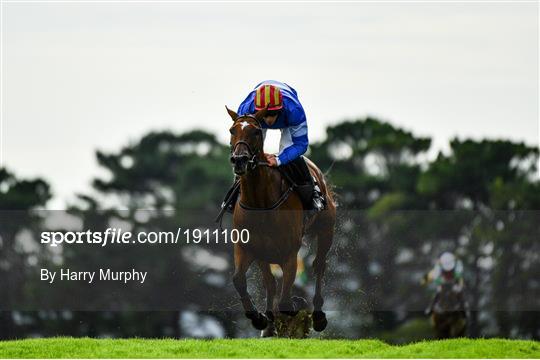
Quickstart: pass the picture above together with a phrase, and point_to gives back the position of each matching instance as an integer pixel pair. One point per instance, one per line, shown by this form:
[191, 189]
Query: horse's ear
[259, 115]
[232, 114]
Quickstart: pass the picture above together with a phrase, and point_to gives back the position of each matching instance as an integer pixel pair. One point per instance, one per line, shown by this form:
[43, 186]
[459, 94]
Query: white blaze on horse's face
[244, 124]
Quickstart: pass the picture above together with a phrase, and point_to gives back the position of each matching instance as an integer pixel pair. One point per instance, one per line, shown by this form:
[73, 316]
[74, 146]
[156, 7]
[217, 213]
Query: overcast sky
[81, 77]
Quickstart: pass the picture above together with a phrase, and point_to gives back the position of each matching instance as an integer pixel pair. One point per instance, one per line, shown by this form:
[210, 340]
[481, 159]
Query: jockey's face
[271, 117]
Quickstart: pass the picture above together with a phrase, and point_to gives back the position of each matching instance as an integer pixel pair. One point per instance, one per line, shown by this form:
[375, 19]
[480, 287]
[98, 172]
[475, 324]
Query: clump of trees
[397, 212]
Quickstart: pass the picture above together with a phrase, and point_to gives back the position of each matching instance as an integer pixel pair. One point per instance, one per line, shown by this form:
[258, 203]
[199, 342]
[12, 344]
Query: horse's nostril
[239, 159]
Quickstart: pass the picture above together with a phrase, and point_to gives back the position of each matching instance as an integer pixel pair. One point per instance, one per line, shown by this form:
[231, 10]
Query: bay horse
[449, 317]
[274, 216]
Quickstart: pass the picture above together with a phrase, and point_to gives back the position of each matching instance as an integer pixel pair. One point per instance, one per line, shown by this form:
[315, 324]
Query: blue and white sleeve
[299, 144]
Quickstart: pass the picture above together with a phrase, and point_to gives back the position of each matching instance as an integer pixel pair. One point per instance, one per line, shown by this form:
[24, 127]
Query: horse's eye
[231, 130]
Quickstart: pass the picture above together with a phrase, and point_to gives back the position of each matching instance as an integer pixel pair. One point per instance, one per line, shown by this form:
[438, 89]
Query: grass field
[265, 348]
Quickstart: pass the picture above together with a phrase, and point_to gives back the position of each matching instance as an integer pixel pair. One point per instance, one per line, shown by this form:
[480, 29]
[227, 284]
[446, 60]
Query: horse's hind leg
[324, 242]
[270, 286]
[242, 261]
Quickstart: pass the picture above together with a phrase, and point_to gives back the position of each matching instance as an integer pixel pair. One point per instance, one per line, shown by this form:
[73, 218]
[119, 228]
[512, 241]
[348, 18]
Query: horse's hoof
[270, 331]
[258, 320]
[299, 303]
[319, 321]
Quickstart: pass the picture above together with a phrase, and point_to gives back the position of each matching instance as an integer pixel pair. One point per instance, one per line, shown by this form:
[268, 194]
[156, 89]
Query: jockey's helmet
[448, 261]
[268, 96]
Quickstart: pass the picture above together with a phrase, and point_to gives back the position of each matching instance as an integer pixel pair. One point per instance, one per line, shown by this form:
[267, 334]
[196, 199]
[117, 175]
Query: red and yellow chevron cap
[268, 95]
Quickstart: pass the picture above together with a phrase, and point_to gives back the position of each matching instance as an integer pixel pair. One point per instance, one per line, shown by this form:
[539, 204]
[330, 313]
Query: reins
[277, 204]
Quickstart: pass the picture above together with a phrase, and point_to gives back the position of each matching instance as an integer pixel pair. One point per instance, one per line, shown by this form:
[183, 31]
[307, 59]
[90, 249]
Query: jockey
[447, 270]
[285, 113]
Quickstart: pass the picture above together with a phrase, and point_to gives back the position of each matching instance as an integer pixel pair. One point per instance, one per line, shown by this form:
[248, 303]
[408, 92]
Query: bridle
[252, 162]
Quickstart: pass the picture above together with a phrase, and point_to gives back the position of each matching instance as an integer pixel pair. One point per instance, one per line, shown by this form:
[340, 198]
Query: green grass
[265, 348]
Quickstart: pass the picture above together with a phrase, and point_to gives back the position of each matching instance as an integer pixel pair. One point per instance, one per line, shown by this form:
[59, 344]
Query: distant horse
[273, 214]
[449, 317]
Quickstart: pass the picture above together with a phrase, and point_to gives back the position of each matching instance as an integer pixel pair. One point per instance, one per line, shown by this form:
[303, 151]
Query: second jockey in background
[447, 270]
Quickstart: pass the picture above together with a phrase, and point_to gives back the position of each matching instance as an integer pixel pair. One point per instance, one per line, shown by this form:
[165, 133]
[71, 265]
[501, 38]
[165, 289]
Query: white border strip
[1, 83]
[275, 1]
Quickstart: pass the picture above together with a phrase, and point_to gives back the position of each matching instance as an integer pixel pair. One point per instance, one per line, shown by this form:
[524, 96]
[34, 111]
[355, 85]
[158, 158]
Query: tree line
[398, 210]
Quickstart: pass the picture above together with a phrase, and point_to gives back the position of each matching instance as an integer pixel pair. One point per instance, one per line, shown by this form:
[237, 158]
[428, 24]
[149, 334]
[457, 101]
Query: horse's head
[246, 141]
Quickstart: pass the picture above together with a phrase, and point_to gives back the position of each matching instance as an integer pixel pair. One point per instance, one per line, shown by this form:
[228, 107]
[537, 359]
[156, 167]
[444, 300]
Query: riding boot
[306, 186]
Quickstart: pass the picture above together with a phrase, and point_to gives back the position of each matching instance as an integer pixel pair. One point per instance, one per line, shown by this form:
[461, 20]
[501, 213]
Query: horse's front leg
[270, 286]
[286, 303]
[242, 261]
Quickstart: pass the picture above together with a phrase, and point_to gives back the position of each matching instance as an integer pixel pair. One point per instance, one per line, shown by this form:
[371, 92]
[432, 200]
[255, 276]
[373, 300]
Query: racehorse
[449, 317]
[273, 214]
